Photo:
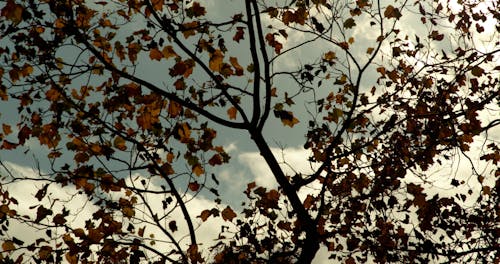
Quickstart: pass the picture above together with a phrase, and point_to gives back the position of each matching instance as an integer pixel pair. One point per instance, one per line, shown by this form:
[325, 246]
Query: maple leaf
[155, 54]
[392, 12]
[215, 63]
[228, 214]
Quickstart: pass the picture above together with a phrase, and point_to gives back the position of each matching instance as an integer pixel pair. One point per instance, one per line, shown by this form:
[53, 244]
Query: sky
[246, 164]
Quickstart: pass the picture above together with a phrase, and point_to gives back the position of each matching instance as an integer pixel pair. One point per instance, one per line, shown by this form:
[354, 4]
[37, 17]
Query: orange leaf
[155, 54]
[232, 112]
[6, 129]
[8, 246]
[228, 214]
[8, 145]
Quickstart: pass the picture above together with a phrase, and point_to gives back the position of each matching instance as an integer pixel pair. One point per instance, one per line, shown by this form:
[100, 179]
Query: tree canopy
[396, 104]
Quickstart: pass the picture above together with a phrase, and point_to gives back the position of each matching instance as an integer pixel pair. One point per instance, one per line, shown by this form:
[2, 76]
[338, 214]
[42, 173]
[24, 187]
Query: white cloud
[292, 160]
[81, 210]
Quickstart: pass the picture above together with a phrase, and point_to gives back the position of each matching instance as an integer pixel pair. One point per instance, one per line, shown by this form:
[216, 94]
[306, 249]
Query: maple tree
[126, 95]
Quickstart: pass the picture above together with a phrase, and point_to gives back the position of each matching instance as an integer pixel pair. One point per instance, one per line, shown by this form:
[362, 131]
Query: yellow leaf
[329, 56]
[215, 63]
[198, 170]
[369, 50]
[232, 112]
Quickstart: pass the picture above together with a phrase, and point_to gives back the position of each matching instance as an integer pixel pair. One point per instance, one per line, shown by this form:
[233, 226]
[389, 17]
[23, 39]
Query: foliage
[382, 105]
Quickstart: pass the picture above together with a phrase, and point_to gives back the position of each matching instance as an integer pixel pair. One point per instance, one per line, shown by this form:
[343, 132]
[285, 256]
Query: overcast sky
[246, 164]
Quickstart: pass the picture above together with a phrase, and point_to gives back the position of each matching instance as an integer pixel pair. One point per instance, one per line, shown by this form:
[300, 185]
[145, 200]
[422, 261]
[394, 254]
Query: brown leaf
[59, 219]
[240, 34]
[41, 213]
[477, 71]
[12, 12]
[237, 67]
[173, 226]
[8, 245]
[391, 11]
[194, 186]
[204, 215]
[228, 214]
[215, 160]
[308, 202]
